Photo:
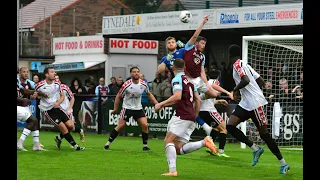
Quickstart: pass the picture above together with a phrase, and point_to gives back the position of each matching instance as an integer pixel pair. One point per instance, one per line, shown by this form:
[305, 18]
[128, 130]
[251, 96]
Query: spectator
[144, 97]
[88, 88]
[166, 87]
[76, 87]
[113, 82]
[93, 85]
[298, 89]
[102, 90]
[114, 88]
[35, 79]
[156, 87]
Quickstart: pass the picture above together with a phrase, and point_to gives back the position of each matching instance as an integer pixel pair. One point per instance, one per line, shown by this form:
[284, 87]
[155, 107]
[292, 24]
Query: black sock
[236, 133]
[77, 129]
[113, 135]
[214, 134]
[144, 138]
[70, 139]
[222, 140]
[61, 136]
[271, 145]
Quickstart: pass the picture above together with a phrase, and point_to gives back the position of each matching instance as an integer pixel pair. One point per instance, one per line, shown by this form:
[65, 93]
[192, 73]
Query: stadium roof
[39, 10]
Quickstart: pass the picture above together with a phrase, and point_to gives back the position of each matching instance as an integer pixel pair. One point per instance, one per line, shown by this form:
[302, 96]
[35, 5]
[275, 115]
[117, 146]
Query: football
[185, 16]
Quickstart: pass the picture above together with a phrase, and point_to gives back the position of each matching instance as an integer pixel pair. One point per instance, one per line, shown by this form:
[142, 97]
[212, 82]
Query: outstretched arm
[194, 37]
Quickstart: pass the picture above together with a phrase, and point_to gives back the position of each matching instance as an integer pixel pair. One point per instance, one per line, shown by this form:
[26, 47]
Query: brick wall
[88, 20]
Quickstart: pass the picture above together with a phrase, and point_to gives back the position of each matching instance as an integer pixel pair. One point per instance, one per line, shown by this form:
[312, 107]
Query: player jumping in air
[182, 124]
[51, 106]
[211, 116]
[131, 92]
[249, 82]
[24, 115]
[67, 106]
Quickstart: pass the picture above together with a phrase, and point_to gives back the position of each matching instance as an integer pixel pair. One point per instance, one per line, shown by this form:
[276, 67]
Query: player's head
[57, 78]
[214, 74]
[234, 52]
[171, 43]
[178, 66]
[135, 73]
[200, 43]
[49, 73]
[142, 76]
[24, 73]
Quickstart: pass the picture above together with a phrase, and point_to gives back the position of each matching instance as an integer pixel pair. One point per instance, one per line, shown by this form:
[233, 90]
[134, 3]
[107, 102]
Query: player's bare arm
[243, 83]
[260, 82]
[161, 68]
[61, 99]
[152, 98]
[116, 103]
[170, 101]
[221, 101]
[197, 102]
[69, 111]
[194, 37]
[221, 89]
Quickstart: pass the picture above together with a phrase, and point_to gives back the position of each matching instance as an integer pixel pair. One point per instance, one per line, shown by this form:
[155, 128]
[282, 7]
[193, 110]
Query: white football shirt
[131, 94]
[208, 104]
[251, 95]
[52, 91]
[67, 97]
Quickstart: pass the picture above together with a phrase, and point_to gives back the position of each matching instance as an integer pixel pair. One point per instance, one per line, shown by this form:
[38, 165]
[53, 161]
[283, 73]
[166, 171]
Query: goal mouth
[279, 61]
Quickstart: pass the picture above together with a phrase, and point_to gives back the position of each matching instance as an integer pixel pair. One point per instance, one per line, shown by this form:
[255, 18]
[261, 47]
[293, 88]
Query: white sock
[192, 146]
[221, 150]
[254, 147]
[171, 157]
[35, 135]
[108, 143]
[282, 162]
[24, 135]
[207, 128]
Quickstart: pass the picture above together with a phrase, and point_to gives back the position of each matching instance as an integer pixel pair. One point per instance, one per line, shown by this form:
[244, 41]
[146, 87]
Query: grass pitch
[126, 161]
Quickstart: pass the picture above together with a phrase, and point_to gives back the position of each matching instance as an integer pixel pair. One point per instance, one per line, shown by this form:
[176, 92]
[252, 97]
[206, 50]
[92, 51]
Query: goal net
[279, 61]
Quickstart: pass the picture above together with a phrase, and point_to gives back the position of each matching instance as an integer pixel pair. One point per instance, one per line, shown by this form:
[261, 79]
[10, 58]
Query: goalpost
[279, 61]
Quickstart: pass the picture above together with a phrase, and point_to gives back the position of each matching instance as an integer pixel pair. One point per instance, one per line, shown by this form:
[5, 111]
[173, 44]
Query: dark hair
[178, 63]
[112, 78]
[86, 81]
[46, 70]
[76, 79]
[214, 74]
[199, 38]
[135, 67]
[234, 51]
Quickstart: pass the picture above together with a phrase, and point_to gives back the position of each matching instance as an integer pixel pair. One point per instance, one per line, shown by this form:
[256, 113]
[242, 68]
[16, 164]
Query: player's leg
[208, 119]
[222, 129]
[143, 122]
[203, 125]
[259, 119]
[171, 154]
[240, 115]
[125, 114]
[78, 128]
[60, 119]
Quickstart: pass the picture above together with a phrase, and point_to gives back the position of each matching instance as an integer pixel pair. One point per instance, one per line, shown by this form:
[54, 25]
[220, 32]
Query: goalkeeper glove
[180, 44]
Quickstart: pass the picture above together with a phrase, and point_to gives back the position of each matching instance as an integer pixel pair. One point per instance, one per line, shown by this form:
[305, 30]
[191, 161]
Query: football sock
[60, 136]
[214, 134]
[238, 134]
[35, 135]
[70, 139]
[171, 157]
[272, 145]
[192, 146]
[222, 140]
[144, 139]
[199, 121]
[112, 137]
[24, 135]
